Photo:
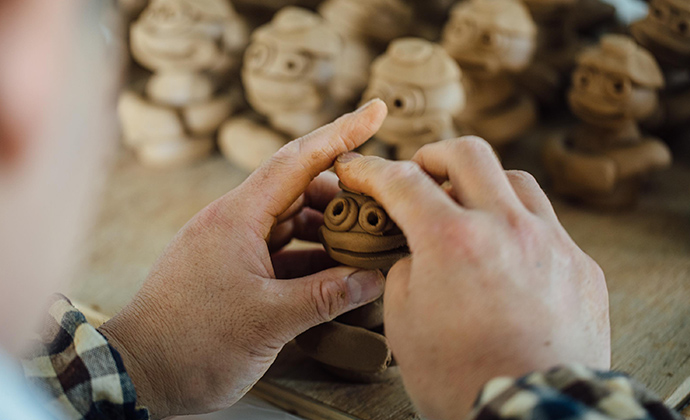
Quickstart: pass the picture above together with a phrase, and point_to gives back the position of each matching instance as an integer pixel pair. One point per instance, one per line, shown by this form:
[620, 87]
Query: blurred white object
[248, 408]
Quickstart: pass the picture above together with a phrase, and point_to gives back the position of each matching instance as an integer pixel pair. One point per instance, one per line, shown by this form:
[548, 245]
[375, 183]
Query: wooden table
[645, 254]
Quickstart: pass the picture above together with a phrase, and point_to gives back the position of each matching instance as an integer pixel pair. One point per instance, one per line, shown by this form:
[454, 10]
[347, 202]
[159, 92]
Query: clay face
[490, 36]
[421, 86]
[615, 82]
[358, 232]
[290, 62]
[182, 34]
[374, 20]
[666, 31]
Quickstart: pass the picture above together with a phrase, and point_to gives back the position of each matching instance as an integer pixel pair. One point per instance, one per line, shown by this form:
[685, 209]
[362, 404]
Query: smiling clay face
[290, 62]
[490, 36]
[359, 233]
[615, 82]
[421, 86]
[666, 31]
[180, 34]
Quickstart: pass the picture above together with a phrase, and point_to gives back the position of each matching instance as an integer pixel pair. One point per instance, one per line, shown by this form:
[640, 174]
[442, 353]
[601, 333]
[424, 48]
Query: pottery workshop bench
[644, 252]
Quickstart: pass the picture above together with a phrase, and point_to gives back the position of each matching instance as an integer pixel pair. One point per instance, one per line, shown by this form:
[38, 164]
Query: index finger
[284, 177]
[410, 196]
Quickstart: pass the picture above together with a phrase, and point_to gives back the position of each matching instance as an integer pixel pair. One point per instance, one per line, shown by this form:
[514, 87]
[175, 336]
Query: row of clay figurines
[302, 70]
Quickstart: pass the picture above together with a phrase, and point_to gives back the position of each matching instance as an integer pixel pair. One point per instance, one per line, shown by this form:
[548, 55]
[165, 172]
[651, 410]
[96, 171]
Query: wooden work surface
[645, 254]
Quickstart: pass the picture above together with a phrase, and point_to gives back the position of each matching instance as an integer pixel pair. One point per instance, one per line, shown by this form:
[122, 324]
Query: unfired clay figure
[172, 120]
[557, 47]
[422, 88]
[603, 162]
[359, 233]
[492, 40]
[288, 76]
[366, 27]
[665, 32]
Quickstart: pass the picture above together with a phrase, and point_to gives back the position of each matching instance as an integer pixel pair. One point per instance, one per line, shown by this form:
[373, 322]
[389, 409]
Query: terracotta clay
[492, 40]
[557, 47]
[288, 75]
[357, 232]
[421, 85]
[604, 160]
[366, 27]
[665, 32]
[172, 118]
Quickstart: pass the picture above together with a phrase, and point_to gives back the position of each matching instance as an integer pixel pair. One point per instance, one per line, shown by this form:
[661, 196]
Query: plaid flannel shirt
[82, 374]
[85, 376]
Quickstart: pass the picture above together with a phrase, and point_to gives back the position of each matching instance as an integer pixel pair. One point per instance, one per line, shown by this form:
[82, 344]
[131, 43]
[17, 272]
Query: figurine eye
[373, 219]
[618, 87]
[341, 214]
[257, 56]
[683, 28]
[659, 11]
[487, 39]
[296, 64]
[582, 79]
[406, 102]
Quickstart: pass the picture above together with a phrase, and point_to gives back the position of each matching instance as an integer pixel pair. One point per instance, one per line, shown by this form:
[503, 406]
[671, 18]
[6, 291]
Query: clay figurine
[288, 75]
[492, 40]
[603, 162]
[557, 47]
[665, 32]
[421, 85]
[172, 118]
[359, 233]
[366, 27]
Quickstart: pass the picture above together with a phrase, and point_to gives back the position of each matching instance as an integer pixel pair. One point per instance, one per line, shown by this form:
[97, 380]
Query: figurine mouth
[172, 53]
[371, 261]
[588, 112]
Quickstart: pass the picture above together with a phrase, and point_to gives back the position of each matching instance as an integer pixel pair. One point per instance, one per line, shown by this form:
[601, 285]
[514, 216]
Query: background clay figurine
[604, 161]
[366, 27]
[359, 233]
[173, 117]
[421, 86]
[557, 47]
[665, 32]
[492, 40]
[288, 75]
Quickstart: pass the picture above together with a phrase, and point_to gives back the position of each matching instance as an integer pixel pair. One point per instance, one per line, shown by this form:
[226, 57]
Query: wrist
[143, 358]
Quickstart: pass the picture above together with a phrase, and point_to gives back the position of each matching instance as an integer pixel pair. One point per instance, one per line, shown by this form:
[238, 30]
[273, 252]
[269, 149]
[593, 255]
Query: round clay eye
[659, 11]
[406, 102]
[618, 87]
[487, 39]
[682, 27]
[372, 218]
[257, 56]
[581, 79]
[341, 214]
[295, 64]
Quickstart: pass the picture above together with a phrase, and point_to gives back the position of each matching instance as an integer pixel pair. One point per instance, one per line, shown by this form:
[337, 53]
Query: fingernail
[365, 285]
[366, 105]
[348, 156]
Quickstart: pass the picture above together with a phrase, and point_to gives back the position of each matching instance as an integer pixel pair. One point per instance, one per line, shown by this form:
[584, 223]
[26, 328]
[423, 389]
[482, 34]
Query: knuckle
[472, 145]
[523, 178]
[328, 298]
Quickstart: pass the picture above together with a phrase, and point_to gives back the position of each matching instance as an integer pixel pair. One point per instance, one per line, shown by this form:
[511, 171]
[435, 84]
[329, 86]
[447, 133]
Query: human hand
[494, 285]
[212, 316]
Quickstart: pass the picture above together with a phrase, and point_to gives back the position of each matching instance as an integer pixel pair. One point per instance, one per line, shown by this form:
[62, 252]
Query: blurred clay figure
[557, 47]
[184, 42]
[492, 40]
[366, 26]
[665, 32]
[605, 159]
[421, 85]
[288, 76]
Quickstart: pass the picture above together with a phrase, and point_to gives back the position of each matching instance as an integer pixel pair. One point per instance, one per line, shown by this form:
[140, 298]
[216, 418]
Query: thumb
[321, 297]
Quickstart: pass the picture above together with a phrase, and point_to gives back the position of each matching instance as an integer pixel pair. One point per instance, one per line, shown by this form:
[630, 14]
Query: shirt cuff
[569, 393]
[81, 373]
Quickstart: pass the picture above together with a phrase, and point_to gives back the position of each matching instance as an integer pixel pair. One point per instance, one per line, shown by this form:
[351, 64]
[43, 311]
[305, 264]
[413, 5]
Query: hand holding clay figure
[494, 285]
[211, 317]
